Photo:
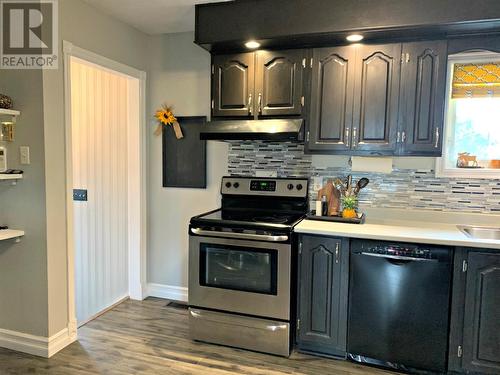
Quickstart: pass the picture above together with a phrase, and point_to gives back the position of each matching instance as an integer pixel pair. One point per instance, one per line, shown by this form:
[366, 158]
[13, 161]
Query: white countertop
[394, 225]
[7, 234]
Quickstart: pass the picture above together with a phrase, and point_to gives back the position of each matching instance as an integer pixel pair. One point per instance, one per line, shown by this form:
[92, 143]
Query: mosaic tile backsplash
[403, 188]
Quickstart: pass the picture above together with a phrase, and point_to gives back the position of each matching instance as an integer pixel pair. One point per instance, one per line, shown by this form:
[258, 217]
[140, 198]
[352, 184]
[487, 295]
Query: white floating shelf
[8, 234]
[9, 112]
[10, 177]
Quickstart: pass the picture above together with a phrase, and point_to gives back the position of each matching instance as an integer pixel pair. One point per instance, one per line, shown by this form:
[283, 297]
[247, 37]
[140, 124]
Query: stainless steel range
[240, 264]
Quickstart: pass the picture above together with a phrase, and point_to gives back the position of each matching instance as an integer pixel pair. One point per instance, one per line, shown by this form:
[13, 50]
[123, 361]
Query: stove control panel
[279, 187]
[262, 185]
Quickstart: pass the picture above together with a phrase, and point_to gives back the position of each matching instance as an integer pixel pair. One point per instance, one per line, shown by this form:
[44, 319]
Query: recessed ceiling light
[354, 38]
[252, 44]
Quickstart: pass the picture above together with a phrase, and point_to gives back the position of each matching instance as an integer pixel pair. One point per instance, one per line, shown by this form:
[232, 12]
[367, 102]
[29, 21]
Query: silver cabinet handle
[347, 137]
[260, 102]
[195, 313]
[398, 257]
[243, 236]
[200, 314]
[337, 251]
[354, 135]
[436, 145]
[403, 137]
[398, 138]
[274, 328]
[250, 104]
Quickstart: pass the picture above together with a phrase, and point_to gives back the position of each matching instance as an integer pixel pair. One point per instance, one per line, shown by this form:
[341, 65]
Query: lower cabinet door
[322, 302]
[481, 339]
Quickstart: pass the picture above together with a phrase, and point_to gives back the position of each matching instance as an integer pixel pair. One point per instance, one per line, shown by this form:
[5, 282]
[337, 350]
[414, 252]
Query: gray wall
[23, 266]
[87, 28]
[33, 278]
[179, 76]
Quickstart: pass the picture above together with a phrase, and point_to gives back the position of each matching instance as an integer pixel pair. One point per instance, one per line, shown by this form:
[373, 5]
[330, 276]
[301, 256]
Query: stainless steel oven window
[239, 268]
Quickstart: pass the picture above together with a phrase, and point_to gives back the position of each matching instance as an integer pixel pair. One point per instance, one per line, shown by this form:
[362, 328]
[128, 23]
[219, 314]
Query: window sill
[467, 173]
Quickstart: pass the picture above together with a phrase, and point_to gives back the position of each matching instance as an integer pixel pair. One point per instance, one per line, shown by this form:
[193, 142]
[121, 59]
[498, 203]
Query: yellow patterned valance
[476, 80]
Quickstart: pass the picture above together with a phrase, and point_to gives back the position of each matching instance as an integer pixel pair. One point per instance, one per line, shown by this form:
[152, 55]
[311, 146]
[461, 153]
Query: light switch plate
[3, 159]
[24, 152]
[80, 195]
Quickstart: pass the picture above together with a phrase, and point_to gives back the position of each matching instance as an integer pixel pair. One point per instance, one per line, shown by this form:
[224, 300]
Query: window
[472, 124]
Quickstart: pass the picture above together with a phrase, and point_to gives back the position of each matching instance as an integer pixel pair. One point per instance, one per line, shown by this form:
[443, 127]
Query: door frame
[137, 177]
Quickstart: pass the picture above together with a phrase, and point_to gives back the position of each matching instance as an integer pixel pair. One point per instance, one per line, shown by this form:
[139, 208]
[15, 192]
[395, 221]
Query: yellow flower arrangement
[165, 116]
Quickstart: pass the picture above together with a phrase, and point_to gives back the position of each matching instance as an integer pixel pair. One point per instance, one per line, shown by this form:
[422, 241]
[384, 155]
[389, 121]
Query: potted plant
[349, 205]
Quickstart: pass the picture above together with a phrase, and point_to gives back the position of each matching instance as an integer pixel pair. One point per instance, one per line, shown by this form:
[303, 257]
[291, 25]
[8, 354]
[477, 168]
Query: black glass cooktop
[252, 217]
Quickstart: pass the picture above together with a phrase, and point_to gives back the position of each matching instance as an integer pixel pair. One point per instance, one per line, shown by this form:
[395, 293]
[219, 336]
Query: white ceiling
[152, 16]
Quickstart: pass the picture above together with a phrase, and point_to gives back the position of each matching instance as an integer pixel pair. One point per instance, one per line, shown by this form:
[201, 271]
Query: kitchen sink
[483, 233]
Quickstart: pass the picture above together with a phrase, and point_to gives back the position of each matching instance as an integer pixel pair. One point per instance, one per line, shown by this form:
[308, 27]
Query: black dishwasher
[399, 300]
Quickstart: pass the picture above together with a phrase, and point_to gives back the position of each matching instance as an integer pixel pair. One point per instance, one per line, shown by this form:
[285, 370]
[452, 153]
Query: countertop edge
[460, 241]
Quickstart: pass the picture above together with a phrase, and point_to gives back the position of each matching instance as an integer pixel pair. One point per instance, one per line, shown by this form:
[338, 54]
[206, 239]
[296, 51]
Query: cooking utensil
[362, 183]
[340, 185]
[349, 185]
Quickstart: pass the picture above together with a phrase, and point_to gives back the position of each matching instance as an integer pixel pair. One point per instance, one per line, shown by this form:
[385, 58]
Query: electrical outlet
[264, 173]
[24, 152]
[317, 183]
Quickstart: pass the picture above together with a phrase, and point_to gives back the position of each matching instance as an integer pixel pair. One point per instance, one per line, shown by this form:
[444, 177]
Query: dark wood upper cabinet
[233, 85]
[359, 100]
[481, 337]
[322, 310]
[376, 98]
[278, 82]
[423, 82]
[260, 84]
[331, 98]
[354, 99]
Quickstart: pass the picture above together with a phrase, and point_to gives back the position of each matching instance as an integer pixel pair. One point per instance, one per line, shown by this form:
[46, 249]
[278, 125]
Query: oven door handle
[243, 236]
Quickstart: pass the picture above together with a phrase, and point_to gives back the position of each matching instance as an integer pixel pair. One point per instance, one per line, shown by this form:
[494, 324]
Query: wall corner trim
[175, 293]
[37, 345]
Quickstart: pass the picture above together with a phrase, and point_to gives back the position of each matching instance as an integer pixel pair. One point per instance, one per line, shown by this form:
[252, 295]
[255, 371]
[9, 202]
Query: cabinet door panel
[482, 314]
[323, 295]
[423, 96]
[376, 98]
[279, 82]
[233, 85]
[331, 100]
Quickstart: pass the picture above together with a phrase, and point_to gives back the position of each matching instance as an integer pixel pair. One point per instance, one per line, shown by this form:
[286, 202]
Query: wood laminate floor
[150, 338]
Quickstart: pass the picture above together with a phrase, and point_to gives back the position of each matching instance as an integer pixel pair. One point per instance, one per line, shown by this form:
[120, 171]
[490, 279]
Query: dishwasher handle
[398, 257]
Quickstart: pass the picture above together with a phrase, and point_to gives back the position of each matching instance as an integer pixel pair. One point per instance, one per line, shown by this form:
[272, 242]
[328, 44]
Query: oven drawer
[261, 335]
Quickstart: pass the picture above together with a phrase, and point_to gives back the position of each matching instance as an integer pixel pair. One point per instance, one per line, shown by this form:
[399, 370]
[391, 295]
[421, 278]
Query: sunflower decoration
[165, 116]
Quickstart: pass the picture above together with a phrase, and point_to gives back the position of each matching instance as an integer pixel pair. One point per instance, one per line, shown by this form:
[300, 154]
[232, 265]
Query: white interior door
[100, 108]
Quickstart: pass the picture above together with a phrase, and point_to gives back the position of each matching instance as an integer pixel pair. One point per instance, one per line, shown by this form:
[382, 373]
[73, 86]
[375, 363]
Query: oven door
[241, 276]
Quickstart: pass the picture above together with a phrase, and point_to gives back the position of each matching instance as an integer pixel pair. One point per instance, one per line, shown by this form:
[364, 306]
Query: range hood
[267, 130]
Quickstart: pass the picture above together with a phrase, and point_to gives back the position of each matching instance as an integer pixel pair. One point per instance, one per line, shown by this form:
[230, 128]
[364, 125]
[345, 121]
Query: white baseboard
[137, 292]
[175, 293]
[37, 345]
[61, 340]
